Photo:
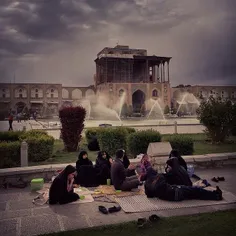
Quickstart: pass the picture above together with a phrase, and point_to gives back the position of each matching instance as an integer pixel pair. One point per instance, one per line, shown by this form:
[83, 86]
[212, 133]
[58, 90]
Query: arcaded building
[131, 71]
[45, 99]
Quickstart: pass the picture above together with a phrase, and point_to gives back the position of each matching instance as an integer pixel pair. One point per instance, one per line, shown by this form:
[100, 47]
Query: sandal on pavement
[214, 179]
[141, 222]
[103, 210]
[114, 209]
[221, 178]
[154, 218]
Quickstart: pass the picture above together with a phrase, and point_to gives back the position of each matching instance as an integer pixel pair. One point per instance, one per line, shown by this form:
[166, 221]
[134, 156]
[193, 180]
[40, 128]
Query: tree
[72, 121]
[166, 110]
[218, 117]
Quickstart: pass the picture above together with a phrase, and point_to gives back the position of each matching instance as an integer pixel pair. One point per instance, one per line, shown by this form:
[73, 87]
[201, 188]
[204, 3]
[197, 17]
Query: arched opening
[121, 91]
[138, 100]
[20, 106]
[154, 93]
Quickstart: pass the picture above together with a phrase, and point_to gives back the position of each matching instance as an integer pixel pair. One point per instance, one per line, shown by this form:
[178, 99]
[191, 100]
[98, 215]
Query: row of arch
[76, 93]
[36, 92]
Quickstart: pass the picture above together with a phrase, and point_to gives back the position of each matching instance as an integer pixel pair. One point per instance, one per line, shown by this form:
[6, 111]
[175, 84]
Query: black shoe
[103, 210]
[141, 222]
[154, 218]
[114, 209]
[215, 179]
[221, 178]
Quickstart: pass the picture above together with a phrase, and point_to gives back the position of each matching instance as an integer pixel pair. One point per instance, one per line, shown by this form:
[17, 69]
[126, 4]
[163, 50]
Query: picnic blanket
[43, 196]
[104, 190]
[141, 203]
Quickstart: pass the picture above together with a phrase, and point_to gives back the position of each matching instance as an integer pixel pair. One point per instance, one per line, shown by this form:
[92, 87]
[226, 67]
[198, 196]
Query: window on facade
[154, 93]
[4, 95]
[20, 95]
[121, 92]
[52, 95]
[52, 90]
[36, 95]
[36, 90]
[20, 90]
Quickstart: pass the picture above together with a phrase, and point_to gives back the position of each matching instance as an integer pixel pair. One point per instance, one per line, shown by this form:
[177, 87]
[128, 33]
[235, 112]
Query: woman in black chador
[83, 160]
[61, 190]
[86, 171]
[103, 167]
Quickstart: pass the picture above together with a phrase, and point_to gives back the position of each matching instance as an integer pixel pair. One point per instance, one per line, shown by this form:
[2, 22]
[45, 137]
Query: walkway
[19, 217]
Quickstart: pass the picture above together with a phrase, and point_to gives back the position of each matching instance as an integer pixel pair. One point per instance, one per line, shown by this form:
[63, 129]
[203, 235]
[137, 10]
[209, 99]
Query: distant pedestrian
[10, 120]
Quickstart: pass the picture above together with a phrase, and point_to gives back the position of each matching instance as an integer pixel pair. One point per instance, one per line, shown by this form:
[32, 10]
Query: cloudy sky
[57, 40]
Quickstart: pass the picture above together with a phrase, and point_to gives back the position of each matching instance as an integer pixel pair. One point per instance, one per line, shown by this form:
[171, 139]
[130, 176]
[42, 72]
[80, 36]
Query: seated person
[119, 174]
[156, 186]
[61, 190]
[176, 174]
[86, 172]
[175, 153]
[103, 167]
[83, 160]
[143, 166]
[126, 163]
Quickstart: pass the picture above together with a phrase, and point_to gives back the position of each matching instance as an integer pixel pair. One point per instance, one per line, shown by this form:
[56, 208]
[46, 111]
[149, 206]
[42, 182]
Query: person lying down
[156, 186]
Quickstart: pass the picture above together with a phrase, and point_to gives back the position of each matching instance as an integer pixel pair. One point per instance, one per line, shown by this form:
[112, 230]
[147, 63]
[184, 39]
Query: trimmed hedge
[40, 146]
[10, 136]
[111, 139]
[138, 142]
[91, 133]
[182, 143]
[9, 154]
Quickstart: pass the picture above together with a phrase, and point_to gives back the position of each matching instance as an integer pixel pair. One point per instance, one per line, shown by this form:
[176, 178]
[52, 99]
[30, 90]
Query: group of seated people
[173, 185]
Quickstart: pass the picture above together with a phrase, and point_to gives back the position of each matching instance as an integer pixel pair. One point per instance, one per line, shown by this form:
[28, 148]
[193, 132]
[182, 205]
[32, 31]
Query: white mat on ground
[140, 203]
[44, 195]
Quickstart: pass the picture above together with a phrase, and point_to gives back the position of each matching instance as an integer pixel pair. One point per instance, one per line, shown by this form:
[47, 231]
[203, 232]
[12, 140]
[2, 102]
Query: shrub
[9, 154]
[219, 118]
[40, 148]
[129, 130]
[72, 121]
[91, 133]
[111, 139]
[182, 143]
[10, 136]
[138, 142]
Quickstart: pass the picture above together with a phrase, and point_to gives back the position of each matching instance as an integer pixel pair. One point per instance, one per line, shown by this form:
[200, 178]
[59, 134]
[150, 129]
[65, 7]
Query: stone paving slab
[20, 217]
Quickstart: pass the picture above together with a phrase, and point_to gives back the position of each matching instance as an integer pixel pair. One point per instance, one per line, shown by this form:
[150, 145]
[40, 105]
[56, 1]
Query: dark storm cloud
[57, 40]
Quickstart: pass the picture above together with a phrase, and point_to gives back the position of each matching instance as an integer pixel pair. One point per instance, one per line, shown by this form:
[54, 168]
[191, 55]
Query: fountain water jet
[156, 104]
[121, 103]
[190, 101]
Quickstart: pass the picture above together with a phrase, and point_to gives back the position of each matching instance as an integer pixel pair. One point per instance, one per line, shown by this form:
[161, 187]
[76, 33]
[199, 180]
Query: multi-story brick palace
[118, 70]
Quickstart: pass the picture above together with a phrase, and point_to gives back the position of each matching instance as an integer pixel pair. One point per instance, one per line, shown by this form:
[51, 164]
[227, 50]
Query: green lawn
[201, 146]
[215, 224]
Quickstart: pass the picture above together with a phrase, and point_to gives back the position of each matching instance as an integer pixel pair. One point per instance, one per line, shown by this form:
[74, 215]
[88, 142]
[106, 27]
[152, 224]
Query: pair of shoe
[218, 179]
[105, 211]
[143, 221]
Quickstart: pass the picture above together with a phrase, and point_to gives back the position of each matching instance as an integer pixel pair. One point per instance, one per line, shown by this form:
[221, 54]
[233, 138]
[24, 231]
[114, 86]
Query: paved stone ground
[18, 216]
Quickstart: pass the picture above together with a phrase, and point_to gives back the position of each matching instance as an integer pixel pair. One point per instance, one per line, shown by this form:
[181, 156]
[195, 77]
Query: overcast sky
[57, 40]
